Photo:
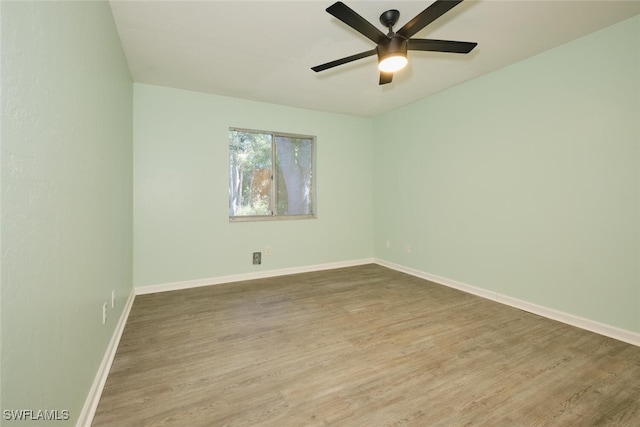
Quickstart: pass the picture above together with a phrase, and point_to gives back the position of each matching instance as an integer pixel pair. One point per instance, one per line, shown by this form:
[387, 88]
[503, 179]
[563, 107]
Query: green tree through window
[270, 175]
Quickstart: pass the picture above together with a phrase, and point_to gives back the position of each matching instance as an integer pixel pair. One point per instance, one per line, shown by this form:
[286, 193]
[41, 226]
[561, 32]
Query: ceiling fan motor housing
[396, 45]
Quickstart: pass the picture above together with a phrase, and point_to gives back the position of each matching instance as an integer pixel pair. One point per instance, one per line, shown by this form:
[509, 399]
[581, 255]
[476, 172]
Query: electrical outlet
[388, 244]
[267, 251]
[113, 298]
[257, 258]
[407, 248]
[104, 313]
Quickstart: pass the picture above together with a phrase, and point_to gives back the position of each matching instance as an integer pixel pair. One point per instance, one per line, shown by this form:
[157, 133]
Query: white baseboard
[570, 319]
[440, 280]
[150, 289]
[573, 320]
[91, 404]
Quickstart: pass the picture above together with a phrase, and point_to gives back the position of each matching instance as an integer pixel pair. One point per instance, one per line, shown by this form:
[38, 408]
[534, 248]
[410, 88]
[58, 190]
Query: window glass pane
[249, 173]
[293, 174]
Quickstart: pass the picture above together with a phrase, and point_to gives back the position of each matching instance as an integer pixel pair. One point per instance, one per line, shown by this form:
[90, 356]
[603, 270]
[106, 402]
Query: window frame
[273, 193]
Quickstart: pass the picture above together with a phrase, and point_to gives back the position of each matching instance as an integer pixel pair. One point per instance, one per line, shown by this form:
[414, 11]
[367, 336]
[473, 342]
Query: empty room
[306, 213]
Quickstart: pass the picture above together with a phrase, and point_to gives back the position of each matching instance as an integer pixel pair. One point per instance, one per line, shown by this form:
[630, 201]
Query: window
[271, 175]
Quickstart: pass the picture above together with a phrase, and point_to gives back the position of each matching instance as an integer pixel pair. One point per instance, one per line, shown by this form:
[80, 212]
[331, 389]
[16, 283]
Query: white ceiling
[263, 50]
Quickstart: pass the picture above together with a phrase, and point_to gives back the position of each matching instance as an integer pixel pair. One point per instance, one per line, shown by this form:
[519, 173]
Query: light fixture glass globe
[391, 64]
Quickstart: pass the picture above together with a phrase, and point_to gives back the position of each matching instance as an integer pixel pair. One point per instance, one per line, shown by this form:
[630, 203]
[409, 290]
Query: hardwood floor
[360, 346]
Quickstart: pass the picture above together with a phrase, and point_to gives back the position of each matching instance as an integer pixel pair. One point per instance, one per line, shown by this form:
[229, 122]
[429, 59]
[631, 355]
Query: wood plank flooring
[360, 346]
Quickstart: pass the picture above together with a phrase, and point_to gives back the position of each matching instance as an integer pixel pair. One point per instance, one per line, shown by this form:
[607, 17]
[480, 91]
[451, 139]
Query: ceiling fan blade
[343, 60]
[357, 22]
[385, 78]
[441, 45]
[427, 16]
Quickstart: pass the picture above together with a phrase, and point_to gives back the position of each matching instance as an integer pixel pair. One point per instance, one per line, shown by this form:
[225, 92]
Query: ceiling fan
[392, 47]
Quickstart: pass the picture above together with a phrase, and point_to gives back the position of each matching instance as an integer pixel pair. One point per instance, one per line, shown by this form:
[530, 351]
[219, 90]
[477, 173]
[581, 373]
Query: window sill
[258, 218]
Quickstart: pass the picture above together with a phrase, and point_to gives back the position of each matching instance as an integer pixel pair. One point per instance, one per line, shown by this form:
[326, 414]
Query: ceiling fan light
[393, 62]
[392, 55]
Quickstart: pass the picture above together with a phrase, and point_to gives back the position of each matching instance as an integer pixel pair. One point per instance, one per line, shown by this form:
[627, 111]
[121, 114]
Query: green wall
[526, 181]
[66, 204]
[181, 224]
